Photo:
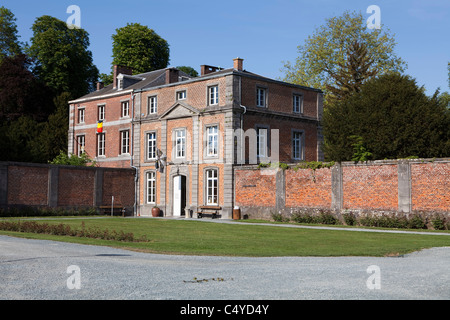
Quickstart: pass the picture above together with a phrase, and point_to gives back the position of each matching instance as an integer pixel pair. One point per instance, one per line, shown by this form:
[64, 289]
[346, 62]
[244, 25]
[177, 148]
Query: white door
[177, 196]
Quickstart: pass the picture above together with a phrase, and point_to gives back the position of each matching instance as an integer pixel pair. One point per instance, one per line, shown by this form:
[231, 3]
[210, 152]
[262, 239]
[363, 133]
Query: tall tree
[9, 38]
[391, 117]
[325, 51]
[140, 48]
[21, 93]
[351, 75]
[63, 60]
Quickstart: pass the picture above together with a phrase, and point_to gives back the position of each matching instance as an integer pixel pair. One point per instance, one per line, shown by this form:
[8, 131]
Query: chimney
[205, 69]
[172, 75]
[238, 64]
[118, 70]
[100, 85]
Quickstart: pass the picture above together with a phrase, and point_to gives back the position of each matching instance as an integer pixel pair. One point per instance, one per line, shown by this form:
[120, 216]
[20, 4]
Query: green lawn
[203, 238]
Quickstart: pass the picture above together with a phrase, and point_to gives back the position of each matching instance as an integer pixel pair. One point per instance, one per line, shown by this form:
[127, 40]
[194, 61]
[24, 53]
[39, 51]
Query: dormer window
[120, 82]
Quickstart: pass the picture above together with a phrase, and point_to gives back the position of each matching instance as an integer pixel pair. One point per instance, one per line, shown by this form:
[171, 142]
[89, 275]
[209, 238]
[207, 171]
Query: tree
[351, 75]
[21, 93]
[63, 60]
[188, 70]
[325, 52]
[140, 48]
[9, 39]
[391, 117]
[53, 135]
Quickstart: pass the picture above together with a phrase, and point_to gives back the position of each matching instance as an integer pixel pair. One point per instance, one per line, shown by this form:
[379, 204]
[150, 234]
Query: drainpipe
[136, 175]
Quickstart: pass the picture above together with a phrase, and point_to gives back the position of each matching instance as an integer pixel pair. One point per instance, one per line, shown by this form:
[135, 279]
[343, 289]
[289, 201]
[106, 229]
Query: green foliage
[188, 70]
[393, 117]
[314, 165]
[360, 151]
[9, 38]
[72, 160]
[63, 60]
[140, 48]
[324, 53]
[66, 230]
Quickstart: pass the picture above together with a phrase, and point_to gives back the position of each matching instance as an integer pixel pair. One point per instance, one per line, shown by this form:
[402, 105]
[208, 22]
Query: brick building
[185, 135]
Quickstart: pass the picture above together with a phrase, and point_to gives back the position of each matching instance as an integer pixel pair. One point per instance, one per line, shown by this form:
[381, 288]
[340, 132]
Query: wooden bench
[212, 210]
[107, 210]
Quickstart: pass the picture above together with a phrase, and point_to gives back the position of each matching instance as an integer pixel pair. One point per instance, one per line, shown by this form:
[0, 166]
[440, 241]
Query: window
[81, 144]
[298, 103]
[181, 95]
[151, 187]
[152, 105]
[213, 95]
[212, 187]
[101, 113]
[180, 143]
[297, 153]
[100, 144]
[151, 145]
[261, 142]
[212, 140]
[81, 115]
[125, 142]
[125, 109]
[261, 97]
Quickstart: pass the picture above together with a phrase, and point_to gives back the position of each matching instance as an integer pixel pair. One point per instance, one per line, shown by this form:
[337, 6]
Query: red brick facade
[223, 118]
[378, 186]
[40, 185]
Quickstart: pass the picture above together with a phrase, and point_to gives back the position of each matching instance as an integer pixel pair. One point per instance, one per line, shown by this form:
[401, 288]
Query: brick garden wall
[399, 186]
[40, 185]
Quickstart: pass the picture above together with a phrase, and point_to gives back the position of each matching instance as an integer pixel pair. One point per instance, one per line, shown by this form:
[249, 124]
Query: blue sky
[264, 33]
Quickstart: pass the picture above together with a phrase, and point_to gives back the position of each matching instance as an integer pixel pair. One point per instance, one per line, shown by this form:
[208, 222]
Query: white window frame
[180, 143]
[297, 145]
[125, 109]
[151, 145]
[261, 142]
[181, 95]
[212, 141]
[152, 105]
[101, 112]
[297, 103]
[125, 142]
[101, 148]
[261, 97]
[151, 187]
[81, 115]
[213, 95]
[81, 144]
[212, 187]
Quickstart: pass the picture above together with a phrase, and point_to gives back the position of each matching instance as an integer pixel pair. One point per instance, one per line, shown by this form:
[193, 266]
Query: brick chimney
[118, 70]
[205, 69]
[172, 75]
[238, 64]
[100, 85]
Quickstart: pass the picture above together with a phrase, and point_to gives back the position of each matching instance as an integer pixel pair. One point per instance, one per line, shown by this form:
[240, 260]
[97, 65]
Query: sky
[265, 33]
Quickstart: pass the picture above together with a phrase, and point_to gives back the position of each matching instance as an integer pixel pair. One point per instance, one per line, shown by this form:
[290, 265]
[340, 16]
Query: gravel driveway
[40, 269]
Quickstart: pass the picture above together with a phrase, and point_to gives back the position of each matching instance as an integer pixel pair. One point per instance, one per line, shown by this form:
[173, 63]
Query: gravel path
[40, 269]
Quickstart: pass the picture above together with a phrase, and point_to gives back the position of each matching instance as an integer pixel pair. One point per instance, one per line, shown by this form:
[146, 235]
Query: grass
[192, 237]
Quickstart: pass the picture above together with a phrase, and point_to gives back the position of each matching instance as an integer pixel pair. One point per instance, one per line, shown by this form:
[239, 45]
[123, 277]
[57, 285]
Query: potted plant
[155, 211]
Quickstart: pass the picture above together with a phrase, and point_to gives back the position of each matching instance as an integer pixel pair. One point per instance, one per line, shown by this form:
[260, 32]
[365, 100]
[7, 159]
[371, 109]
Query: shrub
[349, 219]
[438, 222]
[278, 217]
[65, 230]
[417, 222]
